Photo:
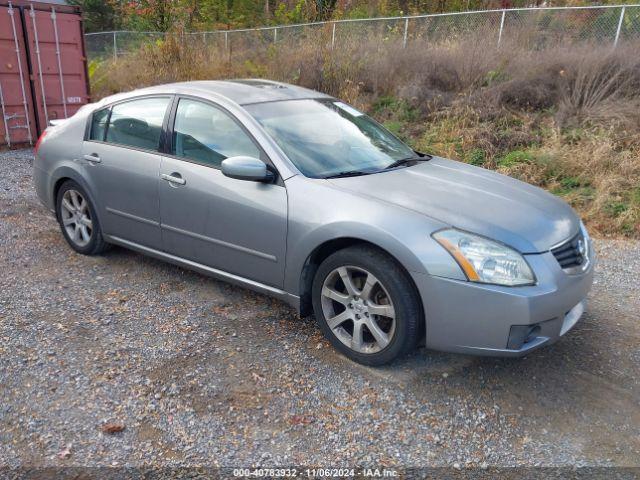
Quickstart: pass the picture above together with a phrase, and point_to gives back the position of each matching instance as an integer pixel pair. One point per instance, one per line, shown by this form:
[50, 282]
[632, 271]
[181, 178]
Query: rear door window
[99, 124]
[138, 123]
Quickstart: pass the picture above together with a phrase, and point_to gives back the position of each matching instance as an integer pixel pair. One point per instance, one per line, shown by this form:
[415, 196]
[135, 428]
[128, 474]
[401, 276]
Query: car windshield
[325, 138]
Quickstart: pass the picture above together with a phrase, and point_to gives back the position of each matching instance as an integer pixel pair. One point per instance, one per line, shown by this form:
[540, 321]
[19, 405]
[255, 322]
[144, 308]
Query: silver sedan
[298, 195]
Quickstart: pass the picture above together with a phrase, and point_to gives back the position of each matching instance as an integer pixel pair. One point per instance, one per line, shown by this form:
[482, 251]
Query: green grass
[394, 127]
[615, 209]
[399, 109]
[574, 186]
[477, 157]
[515, 157]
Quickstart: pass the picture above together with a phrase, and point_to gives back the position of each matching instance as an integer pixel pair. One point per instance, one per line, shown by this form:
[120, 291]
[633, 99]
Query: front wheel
[366, 305]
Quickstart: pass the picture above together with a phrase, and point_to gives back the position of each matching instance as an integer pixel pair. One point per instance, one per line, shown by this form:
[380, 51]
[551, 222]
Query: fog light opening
[534, 332]
[520, 335]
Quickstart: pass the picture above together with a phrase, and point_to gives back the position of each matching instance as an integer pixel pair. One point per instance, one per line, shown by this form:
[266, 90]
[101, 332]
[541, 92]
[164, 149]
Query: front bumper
[479, 319]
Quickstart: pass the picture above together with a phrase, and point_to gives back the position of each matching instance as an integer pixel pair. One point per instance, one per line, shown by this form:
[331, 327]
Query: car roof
[241, 91]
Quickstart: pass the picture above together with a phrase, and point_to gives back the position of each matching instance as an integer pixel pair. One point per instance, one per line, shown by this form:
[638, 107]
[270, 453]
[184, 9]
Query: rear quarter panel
[60, 156]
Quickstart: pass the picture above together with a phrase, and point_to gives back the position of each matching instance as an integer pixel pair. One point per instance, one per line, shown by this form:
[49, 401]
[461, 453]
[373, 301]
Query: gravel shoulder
[199, 372]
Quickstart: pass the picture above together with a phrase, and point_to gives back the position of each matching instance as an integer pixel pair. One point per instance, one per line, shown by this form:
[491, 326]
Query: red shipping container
[43, 68]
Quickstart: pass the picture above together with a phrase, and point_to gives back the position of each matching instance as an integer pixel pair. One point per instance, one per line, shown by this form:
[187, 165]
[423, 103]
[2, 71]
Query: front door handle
[174, 178]
[93, 158]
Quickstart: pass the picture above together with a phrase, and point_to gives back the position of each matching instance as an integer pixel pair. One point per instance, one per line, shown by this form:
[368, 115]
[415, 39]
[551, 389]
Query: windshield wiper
[405, 161]
[419, 157]
[348, 173]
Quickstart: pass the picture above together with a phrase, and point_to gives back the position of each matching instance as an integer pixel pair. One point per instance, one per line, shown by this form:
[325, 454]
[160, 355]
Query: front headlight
[485, 261]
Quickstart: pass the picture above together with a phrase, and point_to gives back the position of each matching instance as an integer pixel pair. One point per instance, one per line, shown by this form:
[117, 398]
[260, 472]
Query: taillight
[35, 150]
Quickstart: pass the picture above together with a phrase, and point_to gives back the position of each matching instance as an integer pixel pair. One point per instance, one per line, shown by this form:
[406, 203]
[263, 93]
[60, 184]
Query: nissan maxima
[298, 195]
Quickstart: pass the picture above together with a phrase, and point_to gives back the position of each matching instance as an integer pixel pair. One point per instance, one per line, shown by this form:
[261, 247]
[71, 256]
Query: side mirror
[246, 168]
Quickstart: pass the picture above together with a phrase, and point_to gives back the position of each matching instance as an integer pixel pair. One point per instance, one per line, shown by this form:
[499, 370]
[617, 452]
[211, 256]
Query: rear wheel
[78, 220]
[366, 305]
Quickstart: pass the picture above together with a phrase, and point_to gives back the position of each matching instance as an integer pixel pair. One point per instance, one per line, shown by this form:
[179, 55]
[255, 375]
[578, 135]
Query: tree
[157, 15]
[165, 15]
[324, 9]
[98, 15]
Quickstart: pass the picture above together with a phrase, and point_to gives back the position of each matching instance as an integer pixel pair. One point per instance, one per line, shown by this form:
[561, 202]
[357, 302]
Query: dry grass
[564, 118]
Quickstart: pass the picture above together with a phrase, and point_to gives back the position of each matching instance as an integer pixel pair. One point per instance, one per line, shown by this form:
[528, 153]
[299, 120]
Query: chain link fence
[535, 28]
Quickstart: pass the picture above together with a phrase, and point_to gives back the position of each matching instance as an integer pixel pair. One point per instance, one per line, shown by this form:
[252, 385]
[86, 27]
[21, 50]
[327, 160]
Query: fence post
[333, 36]
[115, 47]
[275, 34]
[226, 43]
[504, 12]
[615, 42]
[406, 28]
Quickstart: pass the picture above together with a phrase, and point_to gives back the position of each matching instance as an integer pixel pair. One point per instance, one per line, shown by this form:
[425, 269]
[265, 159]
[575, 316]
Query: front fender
[403, 233]
[303, 248]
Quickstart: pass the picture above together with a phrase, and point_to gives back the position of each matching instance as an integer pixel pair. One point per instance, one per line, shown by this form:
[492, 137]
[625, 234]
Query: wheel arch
[60, 176]
[327, 248]
[55, 189]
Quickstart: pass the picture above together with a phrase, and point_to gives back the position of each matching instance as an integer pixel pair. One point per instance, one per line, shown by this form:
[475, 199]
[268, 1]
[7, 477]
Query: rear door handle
[93, 158]
[174, 178]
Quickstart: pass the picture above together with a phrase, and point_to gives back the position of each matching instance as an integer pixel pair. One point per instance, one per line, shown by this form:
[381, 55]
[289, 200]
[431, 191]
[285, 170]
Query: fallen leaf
[112, 428]
[300, 420]
[65, 452]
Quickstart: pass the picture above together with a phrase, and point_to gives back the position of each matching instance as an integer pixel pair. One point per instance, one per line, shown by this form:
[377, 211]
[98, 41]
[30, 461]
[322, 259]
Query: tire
[78, 220]
[382, 321]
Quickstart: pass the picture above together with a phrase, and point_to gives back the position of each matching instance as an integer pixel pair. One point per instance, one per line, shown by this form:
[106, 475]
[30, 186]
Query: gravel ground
[199, 372]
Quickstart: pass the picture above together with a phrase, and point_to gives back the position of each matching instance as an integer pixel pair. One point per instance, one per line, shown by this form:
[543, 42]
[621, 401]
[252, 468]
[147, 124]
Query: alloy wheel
[358, 309]
[76, 217]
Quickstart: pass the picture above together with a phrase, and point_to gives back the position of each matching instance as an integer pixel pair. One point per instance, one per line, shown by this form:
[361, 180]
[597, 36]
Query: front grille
[572, 253]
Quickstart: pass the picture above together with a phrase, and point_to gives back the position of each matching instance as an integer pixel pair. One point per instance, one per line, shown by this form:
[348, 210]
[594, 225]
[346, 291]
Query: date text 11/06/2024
[315, 472]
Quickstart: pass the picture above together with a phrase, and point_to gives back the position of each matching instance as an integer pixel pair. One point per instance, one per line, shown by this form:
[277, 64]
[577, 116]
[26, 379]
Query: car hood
[473, 199]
